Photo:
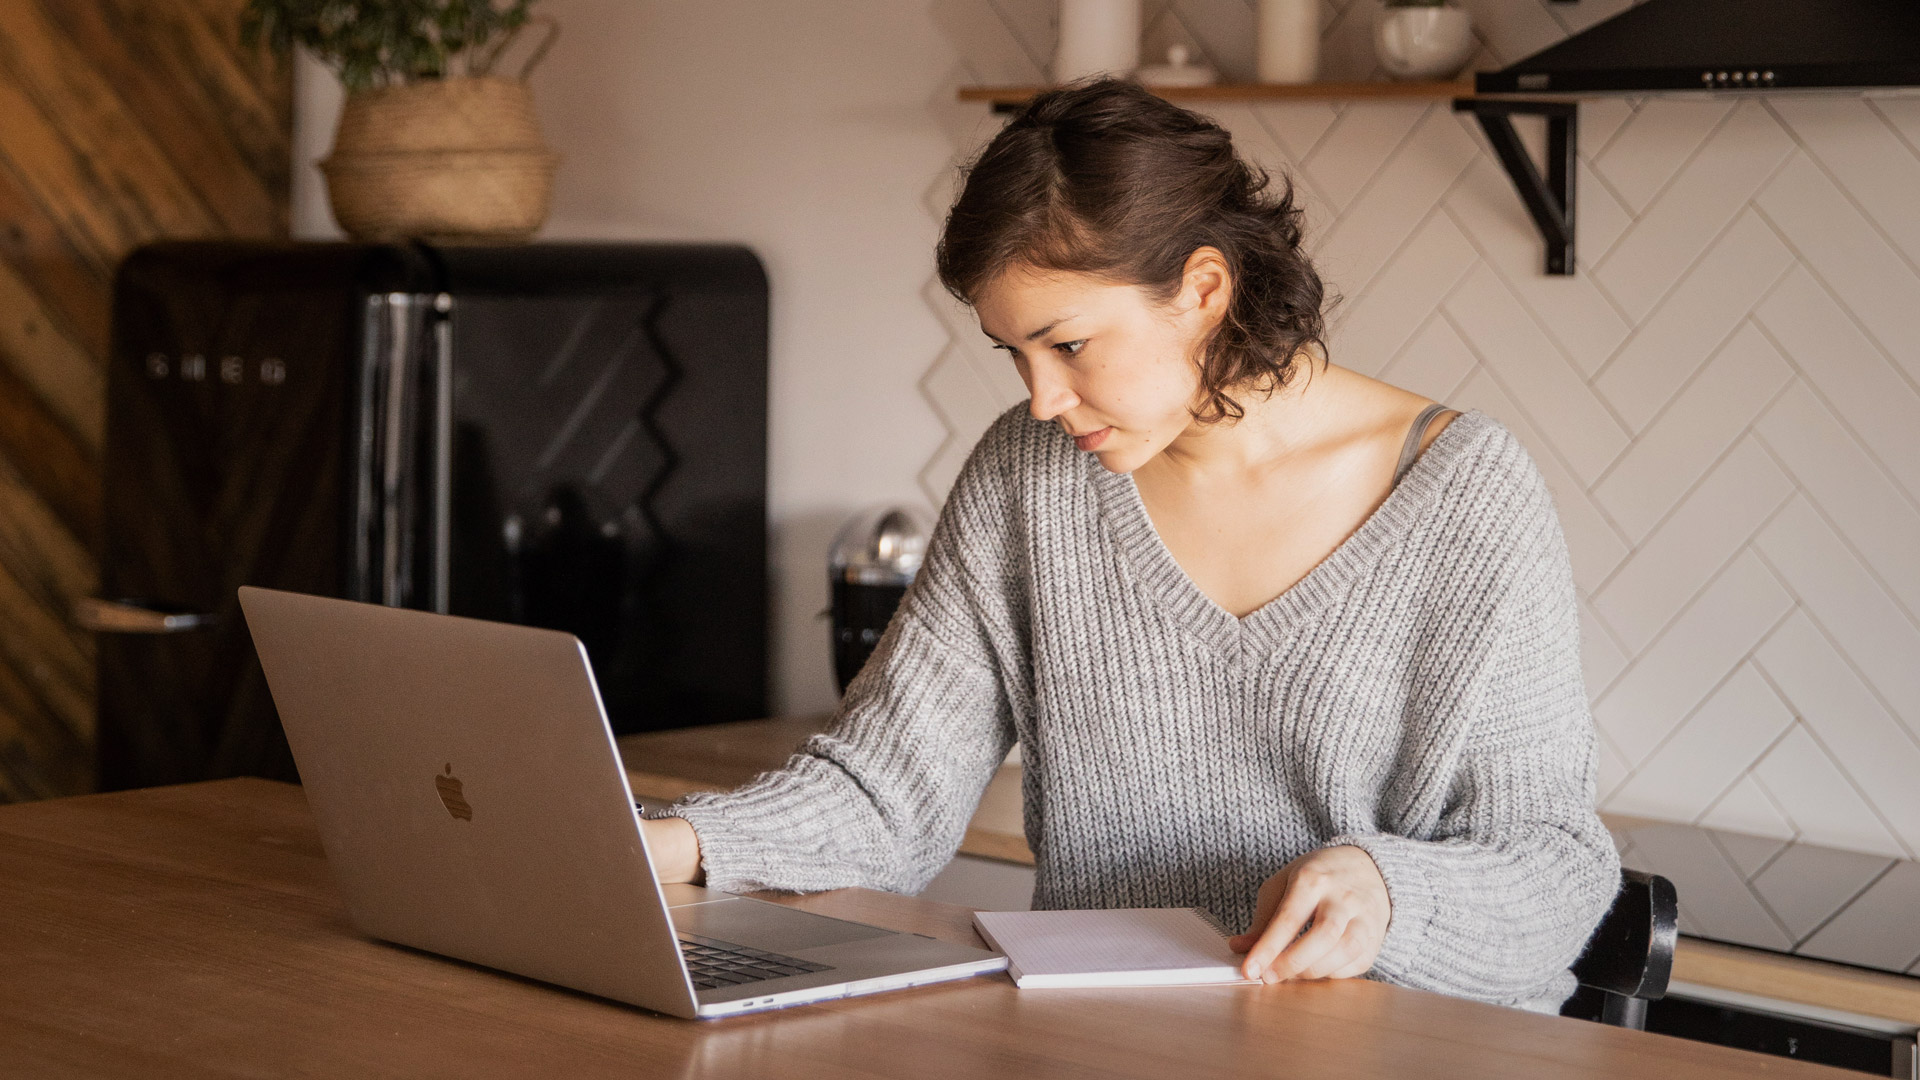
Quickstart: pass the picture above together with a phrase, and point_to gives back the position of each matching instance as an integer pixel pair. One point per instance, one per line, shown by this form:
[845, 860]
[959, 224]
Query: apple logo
[449, 786]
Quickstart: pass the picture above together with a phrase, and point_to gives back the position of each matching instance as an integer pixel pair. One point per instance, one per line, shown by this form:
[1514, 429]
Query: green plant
[372, 43]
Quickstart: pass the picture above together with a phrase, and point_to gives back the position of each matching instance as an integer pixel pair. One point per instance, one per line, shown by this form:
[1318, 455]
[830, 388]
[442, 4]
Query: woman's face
[1107, 363]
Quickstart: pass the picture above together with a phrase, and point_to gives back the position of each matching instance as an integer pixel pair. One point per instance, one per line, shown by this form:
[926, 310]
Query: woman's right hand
[675, 849]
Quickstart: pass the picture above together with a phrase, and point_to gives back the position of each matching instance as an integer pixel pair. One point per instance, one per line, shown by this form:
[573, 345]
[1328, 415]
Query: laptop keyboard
[714, 964]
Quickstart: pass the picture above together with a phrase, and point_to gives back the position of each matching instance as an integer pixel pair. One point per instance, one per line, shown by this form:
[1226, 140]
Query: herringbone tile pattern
[1725, 398]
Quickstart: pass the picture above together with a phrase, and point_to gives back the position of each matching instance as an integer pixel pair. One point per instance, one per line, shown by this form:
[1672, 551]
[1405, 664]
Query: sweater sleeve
[1502, 897]
[882, 798]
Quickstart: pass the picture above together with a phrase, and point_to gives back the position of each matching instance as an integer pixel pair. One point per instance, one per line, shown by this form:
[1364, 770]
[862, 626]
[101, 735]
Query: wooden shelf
[1009, 96]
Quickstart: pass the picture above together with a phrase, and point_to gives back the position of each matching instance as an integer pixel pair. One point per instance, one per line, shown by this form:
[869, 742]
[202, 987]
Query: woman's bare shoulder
[1381, 413]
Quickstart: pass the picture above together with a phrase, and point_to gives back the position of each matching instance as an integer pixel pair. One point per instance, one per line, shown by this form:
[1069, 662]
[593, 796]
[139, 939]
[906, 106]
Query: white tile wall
[1681, 667]
[1806, 885]
[1692, 431]
[1644, 155]
[1686, 218]
[1725, 398]
[1747, 808]
[1714, 898]
[1877, 925]
[1847, 250]
[1815, 680]
[1823, 803]
[1515, 350]
[1738, 495]
[1837, 590]
[1737, 725]
[1694, 320]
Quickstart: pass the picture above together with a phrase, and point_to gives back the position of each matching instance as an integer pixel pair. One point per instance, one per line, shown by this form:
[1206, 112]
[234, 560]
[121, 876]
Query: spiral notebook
[1113, 947]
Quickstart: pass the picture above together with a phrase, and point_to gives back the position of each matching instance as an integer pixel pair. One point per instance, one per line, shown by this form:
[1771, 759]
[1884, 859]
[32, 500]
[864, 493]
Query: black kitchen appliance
[873, 560]
[562, 435]
[1663, 45]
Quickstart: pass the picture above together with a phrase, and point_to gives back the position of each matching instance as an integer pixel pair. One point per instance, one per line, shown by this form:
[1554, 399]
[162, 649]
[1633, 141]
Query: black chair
[1629, 958]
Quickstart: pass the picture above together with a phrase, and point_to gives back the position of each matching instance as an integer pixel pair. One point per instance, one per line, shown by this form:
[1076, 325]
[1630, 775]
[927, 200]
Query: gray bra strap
[1414, 434]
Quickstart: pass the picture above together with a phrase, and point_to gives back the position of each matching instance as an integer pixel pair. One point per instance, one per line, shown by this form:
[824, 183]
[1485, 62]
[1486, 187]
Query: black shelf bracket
[1549, 200]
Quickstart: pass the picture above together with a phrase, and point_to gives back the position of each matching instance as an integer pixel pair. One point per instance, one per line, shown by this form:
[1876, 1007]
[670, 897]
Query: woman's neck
[1274, 428]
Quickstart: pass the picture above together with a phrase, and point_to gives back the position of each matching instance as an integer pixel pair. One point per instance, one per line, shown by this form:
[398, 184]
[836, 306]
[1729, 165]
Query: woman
[1257, 662]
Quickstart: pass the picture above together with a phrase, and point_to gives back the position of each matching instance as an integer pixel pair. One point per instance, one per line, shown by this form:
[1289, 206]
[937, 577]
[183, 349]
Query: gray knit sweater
[1418, 695]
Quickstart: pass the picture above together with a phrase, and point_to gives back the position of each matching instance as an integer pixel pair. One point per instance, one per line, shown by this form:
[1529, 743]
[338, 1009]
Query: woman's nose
[1050, 396]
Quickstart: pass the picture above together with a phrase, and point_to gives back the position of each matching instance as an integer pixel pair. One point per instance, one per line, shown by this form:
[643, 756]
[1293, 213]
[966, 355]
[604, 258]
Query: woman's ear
[1206, 286]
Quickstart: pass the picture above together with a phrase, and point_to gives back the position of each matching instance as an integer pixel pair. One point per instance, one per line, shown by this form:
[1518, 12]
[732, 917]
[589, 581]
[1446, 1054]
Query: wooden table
[194, 931]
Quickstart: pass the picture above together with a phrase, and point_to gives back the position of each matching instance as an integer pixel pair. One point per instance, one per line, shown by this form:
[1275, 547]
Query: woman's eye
[1072, 348]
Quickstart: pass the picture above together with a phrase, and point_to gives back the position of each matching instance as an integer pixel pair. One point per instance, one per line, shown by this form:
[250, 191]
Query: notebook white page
[1113, 947]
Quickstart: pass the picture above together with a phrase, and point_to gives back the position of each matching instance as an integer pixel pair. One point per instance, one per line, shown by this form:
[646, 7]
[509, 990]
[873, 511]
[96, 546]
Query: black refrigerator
[570, 436]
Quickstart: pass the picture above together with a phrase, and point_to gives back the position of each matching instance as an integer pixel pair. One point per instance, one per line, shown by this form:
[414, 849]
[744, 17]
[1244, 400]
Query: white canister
[1289, 41]
[1423, 42]
[1097, 37]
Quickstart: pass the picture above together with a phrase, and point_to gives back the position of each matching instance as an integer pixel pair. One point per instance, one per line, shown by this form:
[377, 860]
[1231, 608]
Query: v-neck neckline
[1272, 623]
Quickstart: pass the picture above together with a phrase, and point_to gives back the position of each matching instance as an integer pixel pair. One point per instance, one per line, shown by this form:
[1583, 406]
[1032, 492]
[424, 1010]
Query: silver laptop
[471, 802]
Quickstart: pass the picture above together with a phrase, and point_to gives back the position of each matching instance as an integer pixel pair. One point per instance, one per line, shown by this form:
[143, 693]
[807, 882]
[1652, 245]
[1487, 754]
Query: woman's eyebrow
[1037, 333]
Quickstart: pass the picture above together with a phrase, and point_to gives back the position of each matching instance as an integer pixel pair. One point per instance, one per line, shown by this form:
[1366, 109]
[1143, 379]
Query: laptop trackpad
[760, 925]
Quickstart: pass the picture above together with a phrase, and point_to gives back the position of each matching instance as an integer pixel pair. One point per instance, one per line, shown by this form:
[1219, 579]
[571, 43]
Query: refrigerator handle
[404, 493]
[442, 450]
[398, 477]
[134, 617]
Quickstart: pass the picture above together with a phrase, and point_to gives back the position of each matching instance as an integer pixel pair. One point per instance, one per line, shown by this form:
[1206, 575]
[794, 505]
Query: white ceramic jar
[1179, 70]
[1288, 41]
[1423, 41]
[1097, 37]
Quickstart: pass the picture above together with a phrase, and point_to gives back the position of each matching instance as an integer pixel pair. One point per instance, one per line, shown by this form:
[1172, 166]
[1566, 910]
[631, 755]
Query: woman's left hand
[1340, 891]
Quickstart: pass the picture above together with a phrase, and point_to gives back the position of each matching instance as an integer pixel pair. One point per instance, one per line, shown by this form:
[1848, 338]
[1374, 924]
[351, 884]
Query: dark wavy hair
[1103, 177]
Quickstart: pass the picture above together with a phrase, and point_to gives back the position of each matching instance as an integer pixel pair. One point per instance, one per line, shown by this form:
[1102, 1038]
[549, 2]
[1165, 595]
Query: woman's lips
[1091, 440]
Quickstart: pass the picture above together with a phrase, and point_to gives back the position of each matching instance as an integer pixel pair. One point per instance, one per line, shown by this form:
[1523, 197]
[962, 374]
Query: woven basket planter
[453, 161]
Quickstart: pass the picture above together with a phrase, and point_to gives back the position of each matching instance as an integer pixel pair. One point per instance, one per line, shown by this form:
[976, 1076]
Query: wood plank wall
[121, 121]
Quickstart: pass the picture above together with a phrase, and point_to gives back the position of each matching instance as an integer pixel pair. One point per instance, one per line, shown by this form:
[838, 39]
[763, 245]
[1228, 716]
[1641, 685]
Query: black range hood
[1728, 45]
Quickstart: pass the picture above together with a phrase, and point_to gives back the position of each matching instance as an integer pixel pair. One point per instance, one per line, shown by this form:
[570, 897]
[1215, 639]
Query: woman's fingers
[1338, 898]
[1354, 968]
[1339, 960]
[1312, 948]
[1296, 907]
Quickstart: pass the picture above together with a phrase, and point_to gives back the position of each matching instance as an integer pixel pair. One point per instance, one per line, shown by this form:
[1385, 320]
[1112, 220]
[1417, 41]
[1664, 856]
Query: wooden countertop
[195, 931]
[666, 765]
[1798, 979]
